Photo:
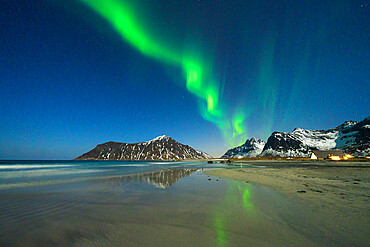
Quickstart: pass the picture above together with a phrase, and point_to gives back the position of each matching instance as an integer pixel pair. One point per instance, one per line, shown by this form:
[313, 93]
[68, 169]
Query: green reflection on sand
[246, 194]
[221, 233]
[237, 196]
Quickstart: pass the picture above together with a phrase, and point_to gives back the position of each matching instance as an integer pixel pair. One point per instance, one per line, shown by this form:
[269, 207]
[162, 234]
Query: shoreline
[198, 210]
[338, 186]
[337, 197]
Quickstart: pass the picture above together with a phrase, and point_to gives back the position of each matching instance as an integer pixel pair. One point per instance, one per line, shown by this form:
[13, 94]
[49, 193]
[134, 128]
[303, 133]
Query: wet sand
[180, 207]
[337, 194]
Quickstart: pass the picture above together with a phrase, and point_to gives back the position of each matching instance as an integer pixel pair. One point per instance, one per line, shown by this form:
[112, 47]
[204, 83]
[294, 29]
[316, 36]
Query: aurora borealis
[198, 74]
[208, 73]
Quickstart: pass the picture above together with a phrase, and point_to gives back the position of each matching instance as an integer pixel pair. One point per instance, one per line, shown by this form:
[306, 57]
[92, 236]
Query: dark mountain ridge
[251, 148]
[160, 148]
[351, 137]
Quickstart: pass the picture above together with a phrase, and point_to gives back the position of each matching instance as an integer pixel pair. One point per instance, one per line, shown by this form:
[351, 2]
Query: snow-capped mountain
[351, 137]
[160, 148]
[355, 139]
[251, 148]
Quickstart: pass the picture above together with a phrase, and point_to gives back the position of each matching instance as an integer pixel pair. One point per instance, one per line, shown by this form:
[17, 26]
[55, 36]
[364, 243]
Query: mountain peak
[297, 129]
[350, 122]
[348, 137]
[351, 137]
[251, 148]
[160, 148]
[253, 140]
[162, 137]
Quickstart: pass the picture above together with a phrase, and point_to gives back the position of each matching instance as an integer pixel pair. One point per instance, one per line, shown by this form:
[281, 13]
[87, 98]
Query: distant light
[240, 157]
[334, 157]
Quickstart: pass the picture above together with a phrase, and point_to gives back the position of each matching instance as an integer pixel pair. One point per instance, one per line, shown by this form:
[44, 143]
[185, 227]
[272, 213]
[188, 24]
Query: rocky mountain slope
[251, 148]
[351, 137]
[160, 148]
[355, 139]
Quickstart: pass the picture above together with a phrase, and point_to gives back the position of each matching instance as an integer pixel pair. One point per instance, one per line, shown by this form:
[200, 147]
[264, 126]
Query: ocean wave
[32, 166]
[161, 163]
[47, 172]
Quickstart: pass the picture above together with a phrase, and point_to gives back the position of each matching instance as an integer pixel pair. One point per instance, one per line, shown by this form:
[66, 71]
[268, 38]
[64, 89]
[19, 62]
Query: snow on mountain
[345, 139]
[251, 148]
[351, 137]
[356, 139]
[322, 140]
[162, 137]
[203, 154]
[299, 143]
[160, 148]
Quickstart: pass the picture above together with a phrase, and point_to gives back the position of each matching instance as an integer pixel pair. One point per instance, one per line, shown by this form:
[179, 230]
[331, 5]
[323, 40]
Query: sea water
[18, 174]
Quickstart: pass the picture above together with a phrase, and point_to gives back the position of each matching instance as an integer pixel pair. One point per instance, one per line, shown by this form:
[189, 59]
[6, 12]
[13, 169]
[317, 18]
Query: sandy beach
[264, 203]
[336, 193]
[181, 207]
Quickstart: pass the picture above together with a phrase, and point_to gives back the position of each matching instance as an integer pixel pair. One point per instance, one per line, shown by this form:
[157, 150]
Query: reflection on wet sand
[125, 211]
[234, 196]
[161, 179]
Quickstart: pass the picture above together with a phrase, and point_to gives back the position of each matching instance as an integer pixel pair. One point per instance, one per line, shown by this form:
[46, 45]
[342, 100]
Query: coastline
[338, 197]
[174, 206]
[115, 207]
[334, 185]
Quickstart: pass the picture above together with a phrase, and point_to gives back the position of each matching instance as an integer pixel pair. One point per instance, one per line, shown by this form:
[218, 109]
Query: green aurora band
[200, 79]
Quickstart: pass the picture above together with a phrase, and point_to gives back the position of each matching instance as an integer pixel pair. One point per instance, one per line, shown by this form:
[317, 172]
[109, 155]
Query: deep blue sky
[68, 82]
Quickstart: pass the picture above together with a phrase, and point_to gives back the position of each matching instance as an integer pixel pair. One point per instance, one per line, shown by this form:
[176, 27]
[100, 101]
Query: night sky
[209, 73]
